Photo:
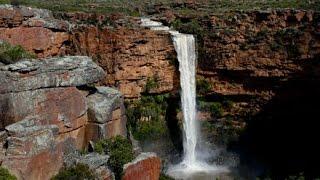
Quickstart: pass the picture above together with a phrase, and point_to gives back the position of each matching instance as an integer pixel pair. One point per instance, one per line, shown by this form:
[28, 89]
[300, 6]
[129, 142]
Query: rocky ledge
[49, 109]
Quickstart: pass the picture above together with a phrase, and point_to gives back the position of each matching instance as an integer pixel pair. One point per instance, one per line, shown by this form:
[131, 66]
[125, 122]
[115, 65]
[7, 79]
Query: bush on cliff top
[78, 172]
[120, 151]
[10, 54]
[5, 174]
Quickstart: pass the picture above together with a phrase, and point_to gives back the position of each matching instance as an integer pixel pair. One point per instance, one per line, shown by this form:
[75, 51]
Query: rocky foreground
[49, 110]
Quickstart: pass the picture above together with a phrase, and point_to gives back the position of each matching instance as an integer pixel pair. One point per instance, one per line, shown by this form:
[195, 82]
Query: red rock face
[60, 106]
[145, 167]
[41, 41]
[131, 57]
[37, 167]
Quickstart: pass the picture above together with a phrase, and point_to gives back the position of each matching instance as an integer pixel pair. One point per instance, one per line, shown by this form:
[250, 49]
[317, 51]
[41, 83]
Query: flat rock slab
[53, 72]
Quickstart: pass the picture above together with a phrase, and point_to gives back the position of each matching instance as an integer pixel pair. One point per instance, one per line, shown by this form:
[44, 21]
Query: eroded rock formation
[44, 116]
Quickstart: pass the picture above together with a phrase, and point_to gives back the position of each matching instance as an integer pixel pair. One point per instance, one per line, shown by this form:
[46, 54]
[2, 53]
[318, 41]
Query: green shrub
[151, 84]
[146, 117]
[5, 174]
[203, 86]
[10, 54]
[165, 177]
[216, 109]
[77, 172]
[120, 151]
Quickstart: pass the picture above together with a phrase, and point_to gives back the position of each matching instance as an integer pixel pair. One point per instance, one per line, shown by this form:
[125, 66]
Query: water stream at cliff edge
[191, 166]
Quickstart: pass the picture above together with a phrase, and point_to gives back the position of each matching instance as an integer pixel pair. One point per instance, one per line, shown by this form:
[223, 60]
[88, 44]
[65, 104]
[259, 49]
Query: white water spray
[185, 47]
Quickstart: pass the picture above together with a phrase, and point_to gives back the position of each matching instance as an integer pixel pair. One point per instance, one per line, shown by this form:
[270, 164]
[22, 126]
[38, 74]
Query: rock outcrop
[52, 72]
[35, 29]
[146, 166]
[48, 111]
[106, 114]
[131, 56]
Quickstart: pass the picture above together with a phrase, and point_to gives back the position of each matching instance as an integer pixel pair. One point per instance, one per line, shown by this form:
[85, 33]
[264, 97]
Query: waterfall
[185, 48]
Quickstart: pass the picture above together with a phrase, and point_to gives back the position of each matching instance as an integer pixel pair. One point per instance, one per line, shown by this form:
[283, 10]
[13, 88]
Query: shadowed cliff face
[283, 135]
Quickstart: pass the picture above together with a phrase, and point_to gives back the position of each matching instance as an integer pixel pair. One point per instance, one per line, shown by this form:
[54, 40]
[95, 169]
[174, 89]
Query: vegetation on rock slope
[10, 54]
[120, 151]
[138, 7]
[5, 174]
[79, 172]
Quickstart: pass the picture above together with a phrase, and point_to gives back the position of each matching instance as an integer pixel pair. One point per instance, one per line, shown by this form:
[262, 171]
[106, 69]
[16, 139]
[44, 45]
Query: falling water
[185, 47]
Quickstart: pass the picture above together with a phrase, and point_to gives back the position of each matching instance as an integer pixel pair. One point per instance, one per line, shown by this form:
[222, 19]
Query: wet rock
[51, 72]
[145, 167]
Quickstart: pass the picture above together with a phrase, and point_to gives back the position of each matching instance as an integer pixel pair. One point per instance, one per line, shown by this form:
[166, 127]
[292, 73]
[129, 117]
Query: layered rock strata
[131, 56]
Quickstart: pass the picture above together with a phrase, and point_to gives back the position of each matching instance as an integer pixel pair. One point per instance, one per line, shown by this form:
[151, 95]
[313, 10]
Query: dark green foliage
[215, 108]
[190, 27]
[5, 174]
[288, 38]
[120, 151]
[78, 172]
[146, 117]
[15, 2]
[227, 104]
[151, 84]
[165, 177]
[203, 86]
[10, 54]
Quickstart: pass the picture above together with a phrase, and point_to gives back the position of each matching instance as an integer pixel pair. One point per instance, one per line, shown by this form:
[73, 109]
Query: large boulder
[146, 166]
[40, 166]
[106, 114]
[102, 103]
[31, 150]
[52, 72]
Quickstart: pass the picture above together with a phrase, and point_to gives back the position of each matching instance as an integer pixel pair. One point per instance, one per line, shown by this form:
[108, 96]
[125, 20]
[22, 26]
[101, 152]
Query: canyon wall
[131, 56]
[248, 62]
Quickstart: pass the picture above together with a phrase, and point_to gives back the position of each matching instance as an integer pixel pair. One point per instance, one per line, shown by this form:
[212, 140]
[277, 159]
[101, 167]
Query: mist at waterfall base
[194, 164]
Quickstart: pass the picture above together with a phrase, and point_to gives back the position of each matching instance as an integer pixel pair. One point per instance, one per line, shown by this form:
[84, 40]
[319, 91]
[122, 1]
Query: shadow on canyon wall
[283, 137]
